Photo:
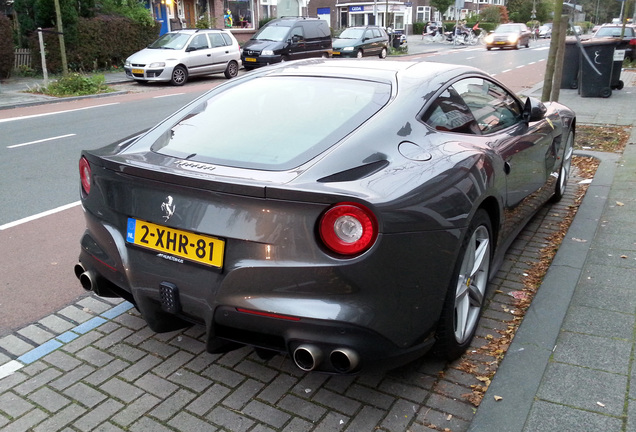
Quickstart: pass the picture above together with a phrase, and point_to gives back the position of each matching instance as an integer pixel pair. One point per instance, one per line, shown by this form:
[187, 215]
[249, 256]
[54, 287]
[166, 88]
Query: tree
[521, 10]
[442, 5]
[494, 14]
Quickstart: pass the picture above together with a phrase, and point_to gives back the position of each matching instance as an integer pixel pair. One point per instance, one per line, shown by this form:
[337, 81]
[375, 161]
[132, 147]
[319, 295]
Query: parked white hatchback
[178, 55]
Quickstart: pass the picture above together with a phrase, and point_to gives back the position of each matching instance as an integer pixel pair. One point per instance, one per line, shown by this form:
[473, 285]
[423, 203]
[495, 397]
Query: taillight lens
[348, 228]
[85, 175]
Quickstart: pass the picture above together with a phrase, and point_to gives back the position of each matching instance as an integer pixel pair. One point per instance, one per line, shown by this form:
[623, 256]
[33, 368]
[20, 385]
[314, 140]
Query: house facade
[242, 17]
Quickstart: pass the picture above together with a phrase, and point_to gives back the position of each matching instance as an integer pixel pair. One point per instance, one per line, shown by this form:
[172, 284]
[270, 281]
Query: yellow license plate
[176, 243]
[500, 43]
[336, 53]
[250, 59]
[138, 71]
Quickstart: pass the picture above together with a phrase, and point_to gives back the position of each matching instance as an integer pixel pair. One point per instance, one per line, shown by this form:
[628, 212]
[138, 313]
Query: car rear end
[224, 240]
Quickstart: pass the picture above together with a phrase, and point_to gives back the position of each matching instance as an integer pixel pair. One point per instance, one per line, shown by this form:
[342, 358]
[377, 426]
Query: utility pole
[60, 34]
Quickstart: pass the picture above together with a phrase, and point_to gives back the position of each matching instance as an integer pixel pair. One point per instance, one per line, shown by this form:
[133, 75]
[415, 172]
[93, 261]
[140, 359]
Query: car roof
[193, 31]
[384, 70]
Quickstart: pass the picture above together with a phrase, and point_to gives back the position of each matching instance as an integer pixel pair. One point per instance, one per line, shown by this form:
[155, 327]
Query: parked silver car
[178, 55]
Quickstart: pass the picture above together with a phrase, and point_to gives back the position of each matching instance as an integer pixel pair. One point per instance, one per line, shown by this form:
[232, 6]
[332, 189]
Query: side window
[492, 106]
[297, 33]
[376, 33]
[200, 41]
[227, 39]
[449, 113]
[217, 40]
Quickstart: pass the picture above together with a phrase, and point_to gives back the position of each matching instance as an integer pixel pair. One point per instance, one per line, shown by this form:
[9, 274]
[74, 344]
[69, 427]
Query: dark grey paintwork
[424, 186]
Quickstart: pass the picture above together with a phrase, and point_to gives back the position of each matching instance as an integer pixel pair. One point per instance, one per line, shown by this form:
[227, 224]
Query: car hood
[148, 55]
[260, 45]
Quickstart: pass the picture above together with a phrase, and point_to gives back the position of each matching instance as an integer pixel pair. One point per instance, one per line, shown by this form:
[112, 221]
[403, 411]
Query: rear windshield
[273, 123]
[614, 32]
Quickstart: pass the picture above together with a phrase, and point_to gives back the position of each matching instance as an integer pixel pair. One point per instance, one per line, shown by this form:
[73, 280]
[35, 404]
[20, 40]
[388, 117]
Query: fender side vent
[356, 173]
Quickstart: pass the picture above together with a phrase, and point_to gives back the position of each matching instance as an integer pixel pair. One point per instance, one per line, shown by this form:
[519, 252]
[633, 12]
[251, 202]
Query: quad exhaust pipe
[309, 357]
[86, 278]
[92, 281]
[344, 360]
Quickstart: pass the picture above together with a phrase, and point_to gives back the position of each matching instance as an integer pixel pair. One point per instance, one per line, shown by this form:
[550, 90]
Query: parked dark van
[287, 38]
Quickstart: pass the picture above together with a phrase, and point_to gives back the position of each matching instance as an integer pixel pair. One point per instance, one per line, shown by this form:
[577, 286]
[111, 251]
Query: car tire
[564, 169]
[527, 45]
[359, 54]
[517, 45]
[467, 290]
[488, 48]
[179, 76]
[231, 70]
[383, 53]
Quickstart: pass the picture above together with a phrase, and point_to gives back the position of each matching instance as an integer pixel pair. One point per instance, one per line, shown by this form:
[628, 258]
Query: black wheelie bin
[597, 63]
[571, 64]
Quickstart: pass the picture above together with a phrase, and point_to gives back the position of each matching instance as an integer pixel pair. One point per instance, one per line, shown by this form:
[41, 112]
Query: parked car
[575, 30]
[361, 41]
[511, 35]
[289, 38]
[628, 42]
[545, 31]
[178, 55]
[351, 217]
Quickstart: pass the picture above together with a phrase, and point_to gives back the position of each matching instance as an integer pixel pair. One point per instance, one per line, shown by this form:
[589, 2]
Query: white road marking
[56, 112]
[170, 95]
[38, 216]
[39, 141]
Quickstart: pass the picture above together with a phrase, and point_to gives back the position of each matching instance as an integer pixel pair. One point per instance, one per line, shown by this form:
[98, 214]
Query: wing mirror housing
[534, 110]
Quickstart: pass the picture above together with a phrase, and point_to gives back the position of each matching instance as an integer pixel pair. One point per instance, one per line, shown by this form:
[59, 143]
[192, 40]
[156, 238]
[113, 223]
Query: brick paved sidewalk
[96, 365]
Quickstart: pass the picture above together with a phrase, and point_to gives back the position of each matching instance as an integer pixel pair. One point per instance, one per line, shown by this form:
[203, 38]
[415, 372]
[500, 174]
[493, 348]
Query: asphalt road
[41, 220]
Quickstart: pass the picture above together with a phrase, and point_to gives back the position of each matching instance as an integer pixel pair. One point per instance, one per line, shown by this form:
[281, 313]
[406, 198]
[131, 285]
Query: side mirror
[533, 110]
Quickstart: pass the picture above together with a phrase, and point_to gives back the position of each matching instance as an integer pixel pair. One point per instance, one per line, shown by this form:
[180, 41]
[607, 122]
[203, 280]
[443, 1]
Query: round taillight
[85, 175]
[348, 228]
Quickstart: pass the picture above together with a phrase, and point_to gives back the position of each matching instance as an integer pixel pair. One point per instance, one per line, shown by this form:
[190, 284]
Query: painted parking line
[62, 339]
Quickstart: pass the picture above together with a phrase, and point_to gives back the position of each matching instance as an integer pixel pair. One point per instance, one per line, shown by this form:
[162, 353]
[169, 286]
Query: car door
[198, 55]
[493, 118]
[375, 39]
[221, 51]
[297, 46]
[526, 149]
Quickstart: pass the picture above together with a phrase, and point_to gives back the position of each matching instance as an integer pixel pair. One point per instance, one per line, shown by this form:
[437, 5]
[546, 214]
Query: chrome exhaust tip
[307, 357]
[78, 269]
[344, 360]
[86, 278]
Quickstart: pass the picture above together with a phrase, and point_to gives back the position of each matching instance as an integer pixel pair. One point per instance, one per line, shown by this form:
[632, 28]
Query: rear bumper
[385, 316]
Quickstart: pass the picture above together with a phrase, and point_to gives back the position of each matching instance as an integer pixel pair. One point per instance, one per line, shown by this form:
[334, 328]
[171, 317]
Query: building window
[238, 14]
[423, 14]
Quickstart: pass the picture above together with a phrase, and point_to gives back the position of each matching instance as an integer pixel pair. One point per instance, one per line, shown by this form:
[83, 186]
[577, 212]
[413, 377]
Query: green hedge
[6, 47]
[103, 42]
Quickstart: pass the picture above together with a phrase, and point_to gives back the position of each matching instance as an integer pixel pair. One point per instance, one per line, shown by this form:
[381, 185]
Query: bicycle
[437, 38]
